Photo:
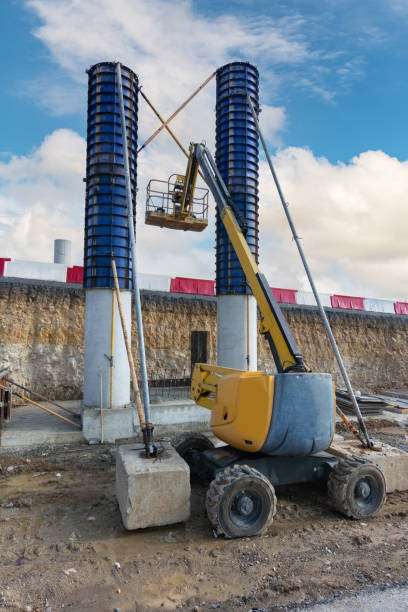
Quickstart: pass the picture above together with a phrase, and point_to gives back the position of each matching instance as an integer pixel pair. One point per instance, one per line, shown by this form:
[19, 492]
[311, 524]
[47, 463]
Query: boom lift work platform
[277, 428]
[181, 205]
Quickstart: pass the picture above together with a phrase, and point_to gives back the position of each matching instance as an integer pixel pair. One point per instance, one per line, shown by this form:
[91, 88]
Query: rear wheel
[357, 488]
[240, 502]
[186, 444]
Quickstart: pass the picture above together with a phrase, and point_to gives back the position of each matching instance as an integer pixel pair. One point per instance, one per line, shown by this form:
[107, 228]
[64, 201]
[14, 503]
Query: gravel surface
[63, 546]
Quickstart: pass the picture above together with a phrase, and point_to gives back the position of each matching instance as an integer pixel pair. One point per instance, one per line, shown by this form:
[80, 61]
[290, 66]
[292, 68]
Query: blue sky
[336, 115]
[333, 91]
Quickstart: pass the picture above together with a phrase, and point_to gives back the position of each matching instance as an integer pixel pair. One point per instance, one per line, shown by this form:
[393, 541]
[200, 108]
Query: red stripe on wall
[75, 274]
[2, 264]
[195, 286]
[401, 308]
[288, 296]
[348, 302]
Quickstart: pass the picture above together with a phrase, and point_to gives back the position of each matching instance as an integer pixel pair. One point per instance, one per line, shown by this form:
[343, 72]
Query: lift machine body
[277, 428]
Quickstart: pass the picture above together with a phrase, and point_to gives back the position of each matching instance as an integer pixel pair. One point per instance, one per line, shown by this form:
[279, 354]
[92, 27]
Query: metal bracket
[110, 359]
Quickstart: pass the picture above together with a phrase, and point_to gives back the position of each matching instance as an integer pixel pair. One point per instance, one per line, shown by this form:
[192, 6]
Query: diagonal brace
[176, 140]
[176, 112]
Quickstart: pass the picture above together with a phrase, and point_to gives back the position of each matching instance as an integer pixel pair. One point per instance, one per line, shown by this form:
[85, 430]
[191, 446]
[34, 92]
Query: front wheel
[240, 502]
[357, 488]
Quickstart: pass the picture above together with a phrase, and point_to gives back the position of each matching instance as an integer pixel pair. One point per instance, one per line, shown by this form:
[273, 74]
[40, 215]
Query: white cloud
[351, 217]
[273, 121]
[42, 198]
[52, 91]
[170, 46]
[399, 6]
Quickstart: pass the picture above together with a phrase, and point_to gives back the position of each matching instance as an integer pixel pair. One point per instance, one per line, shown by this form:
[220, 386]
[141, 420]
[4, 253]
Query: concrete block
[152, 492]
[114, 424]
[392, 461]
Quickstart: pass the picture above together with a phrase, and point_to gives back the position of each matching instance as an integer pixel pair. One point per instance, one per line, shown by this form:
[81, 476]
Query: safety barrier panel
[75, 274]
[307, 298]
[286, 296]
[196, 286]
[35, 269]
[192, 285]
[347, 302]
[154, 282]
[374, 305]
[3, 264]
[401, 308]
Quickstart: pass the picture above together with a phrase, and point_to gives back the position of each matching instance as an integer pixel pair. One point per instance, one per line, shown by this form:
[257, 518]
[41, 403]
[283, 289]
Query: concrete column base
[392, 461]
[114, 424]
[152, 492]
[236, 325]
[97, 370]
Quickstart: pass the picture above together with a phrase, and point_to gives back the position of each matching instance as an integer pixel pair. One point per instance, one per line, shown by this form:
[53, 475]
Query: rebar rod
[42, 397]
[131, 225]
[30, 401]
[176, 112]
[356, 407]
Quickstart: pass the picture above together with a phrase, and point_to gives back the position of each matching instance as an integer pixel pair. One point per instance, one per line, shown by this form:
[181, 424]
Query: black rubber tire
[190, 441]
[357, 488]
[233, 486]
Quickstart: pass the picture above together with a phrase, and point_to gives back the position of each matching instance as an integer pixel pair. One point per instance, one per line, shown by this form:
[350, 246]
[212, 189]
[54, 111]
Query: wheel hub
[363, 489]
[245, 505]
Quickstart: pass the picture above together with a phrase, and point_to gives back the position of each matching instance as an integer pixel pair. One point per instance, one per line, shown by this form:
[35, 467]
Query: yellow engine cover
[242, 410]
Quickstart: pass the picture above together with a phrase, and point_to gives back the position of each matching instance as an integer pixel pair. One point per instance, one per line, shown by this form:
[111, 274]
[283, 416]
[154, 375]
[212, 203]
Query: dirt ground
[62, 545]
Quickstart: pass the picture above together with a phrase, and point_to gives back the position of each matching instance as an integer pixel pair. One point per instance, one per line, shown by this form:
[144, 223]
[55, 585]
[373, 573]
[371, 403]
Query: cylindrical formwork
[62, 251]
[236, 156]
[98, 319]
[237, 159]
[106, 227]
[106, 231]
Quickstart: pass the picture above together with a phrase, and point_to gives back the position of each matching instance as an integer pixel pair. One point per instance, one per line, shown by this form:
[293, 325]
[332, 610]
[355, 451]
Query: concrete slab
[30, 426]
[392, 461]
[108, 425]
[152, 492]
[171, 417]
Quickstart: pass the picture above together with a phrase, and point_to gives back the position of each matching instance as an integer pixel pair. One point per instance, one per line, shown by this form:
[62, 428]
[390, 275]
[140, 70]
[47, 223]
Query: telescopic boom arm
[273, 326]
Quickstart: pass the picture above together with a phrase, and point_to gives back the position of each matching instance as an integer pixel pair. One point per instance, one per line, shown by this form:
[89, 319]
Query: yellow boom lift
[276, 427]
[182, 206]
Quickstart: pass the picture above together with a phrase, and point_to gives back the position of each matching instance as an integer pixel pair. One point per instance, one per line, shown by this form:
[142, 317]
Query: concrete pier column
[237, 159]
[237, 332]
[98, 348]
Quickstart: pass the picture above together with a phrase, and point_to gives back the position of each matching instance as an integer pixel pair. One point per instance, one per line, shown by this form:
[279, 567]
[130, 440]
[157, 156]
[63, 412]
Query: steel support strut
[366, 441]
[131, 226]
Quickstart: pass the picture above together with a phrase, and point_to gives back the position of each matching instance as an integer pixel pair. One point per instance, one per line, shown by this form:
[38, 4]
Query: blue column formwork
[106, 231]
[237, 159]
[106, 225]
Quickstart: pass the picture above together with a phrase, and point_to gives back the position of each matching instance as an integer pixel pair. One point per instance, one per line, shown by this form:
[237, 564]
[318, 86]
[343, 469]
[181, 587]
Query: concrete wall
[42, 336]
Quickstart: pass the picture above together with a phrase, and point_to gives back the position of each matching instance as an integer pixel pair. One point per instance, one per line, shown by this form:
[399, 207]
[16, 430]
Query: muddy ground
[62, 545]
